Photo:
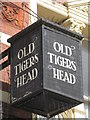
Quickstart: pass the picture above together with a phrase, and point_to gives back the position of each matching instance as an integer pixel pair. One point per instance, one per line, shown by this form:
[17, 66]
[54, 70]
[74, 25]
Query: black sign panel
[62, 64]
[26, 65]
[46, 75]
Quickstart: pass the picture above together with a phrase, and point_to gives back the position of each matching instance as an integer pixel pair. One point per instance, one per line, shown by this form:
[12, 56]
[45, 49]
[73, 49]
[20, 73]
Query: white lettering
[26, 51]
[61, 61]
[20, 80]
[25, 78]
[20, 54]
[24, 65]
[62, 49]
[64, 76]
[72, 79]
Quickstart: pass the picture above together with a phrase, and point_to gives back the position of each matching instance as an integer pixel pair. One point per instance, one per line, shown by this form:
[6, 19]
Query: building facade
[15, 16]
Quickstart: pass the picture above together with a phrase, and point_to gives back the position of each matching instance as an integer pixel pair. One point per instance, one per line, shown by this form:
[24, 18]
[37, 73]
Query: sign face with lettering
[26, 64]
[62, 63]
[46, 75]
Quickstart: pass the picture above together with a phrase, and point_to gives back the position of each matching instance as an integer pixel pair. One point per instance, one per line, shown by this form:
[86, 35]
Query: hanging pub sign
[46, 76]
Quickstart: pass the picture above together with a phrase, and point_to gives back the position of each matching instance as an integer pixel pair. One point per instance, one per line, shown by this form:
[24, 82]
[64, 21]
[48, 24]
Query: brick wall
[14, 19]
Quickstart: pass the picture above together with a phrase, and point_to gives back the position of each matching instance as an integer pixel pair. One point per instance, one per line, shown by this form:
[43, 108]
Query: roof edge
[47, 23]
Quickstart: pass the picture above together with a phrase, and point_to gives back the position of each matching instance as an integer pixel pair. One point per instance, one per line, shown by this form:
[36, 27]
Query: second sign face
[62, 64]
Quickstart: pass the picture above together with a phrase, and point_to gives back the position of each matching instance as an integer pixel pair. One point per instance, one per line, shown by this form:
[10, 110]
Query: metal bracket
[7, 62]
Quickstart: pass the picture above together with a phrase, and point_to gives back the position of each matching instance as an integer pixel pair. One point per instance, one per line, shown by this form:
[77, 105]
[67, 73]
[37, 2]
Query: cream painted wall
[33, 7]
